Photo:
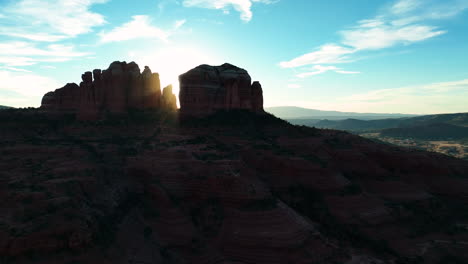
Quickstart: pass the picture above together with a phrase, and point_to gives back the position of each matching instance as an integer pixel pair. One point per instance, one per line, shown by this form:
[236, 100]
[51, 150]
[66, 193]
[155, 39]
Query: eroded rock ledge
[206, 89]
[116, 90]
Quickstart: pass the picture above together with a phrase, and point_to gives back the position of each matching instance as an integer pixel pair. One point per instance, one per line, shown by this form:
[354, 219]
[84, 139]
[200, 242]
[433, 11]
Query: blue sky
[388, 56]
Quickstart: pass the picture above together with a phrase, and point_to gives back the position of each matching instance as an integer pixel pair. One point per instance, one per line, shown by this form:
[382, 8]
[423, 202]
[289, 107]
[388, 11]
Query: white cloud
[418, 10]
[16, 61]
[138, 28]
[179, 23]
[319, 69]
[51, 20]
[33, 36]
[241, 6]
[403, 23]
[14, 69]
[26, 48]
[384, 35]
[18, 53]
[405, 6]
[329, 53]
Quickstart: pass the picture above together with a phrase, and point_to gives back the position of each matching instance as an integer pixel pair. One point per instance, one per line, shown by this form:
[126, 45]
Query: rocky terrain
[237, 186]
[443, 133]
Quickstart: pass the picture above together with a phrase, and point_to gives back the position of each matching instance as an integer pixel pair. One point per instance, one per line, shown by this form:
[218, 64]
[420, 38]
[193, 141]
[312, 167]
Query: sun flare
[173, 61]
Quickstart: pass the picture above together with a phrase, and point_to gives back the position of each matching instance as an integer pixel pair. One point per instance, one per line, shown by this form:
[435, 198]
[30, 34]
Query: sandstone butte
[116, 90]
[203, 90]
[206, 89]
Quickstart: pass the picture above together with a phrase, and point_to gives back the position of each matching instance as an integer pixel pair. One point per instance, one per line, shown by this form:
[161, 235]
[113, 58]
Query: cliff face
[203, 91]
[206, 89]
[115, 90]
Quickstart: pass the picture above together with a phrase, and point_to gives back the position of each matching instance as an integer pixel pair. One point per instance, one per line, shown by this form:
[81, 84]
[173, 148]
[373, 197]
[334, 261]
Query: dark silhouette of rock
[151, 93]
[168, 99]
[257, 97]
[256, 191]
[206, 89]
[116, 90]
[63, 99]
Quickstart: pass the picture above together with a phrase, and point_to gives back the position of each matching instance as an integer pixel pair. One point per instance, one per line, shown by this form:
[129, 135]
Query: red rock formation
[205, 89]
[63, 99]
[116, 90]
[151, 94]
[257, 97]
[168, 99]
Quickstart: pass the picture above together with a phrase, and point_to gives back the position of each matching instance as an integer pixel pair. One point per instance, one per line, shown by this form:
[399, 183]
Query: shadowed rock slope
[232, 188]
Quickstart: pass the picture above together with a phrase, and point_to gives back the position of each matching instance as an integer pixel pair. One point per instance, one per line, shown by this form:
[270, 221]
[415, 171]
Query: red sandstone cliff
[119, 88]
[205, 89]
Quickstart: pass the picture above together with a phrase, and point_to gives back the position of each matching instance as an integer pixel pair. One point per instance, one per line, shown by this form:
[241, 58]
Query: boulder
[206, 89]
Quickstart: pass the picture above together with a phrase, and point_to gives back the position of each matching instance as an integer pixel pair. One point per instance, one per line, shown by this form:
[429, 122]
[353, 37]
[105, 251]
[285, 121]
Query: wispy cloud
[179, 23]
[51, 20]
[326, 54]
[140, 27]
[319, 69]
[244, 7]
[403, 23]
[384, 34]
[19, 53]
[14, 69]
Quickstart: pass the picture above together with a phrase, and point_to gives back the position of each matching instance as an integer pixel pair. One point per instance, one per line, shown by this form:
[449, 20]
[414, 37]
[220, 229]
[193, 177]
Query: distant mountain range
[460, 119]
[5, 107]
[424, 127]
[293, 112]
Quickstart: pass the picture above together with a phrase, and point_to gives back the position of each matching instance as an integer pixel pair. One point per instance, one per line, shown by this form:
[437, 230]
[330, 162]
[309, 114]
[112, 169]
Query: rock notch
[116, 90]
[206, 89]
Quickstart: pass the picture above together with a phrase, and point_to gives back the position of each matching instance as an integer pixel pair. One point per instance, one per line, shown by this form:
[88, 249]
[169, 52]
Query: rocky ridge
[115, 90]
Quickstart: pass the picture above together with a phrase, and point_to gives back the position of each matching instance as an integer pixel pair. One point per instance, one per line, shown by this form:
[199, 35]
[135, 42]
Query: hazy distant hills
[5, 107]
[427, 127]
[293, 112]
[460, 119]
